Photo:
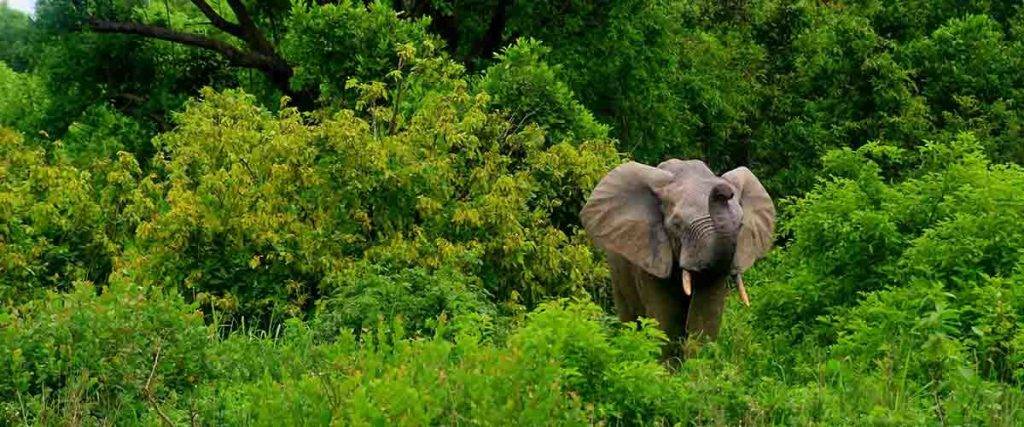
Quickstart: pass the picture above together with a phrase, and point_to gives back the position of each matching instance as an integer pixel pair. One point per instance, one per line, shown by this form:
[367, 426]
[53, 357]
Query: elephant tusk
[742, 289]
[687, 286]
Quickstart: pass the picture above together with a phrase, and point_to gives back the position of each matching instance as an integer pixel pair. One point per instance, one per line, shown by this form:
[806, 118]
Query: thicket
[395, 241]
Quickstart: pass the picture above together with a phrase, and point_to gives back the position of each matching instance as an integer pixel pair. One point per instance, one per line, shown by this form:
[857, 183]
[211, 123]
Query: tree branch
[149, 391]
[251, 34]
[242, 14]
[217, 20]
[234, 55]
[260, 55]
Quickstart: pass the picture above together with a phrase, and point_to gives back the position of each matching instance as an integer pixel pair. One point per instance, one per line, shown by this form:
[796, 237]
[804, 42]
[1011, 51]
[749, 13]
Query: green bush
[399, 251]
[530, 91]
[369, 293]
[52, 230]
[100, 134]
[261, 208]
[79, 355]
[24, 104]
[348, 39]
[930, 264]
[565, 365]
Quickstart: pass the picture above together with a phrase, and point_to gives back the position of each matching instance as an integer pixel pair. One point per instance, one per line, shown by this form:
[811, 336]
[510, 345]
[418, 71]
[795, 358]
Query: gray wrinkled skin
[654, 223]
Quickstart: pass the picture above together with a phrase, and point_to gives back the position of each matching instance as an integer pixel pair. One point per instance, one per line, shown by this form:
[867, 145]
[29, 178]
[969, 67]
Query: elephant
[673, 236]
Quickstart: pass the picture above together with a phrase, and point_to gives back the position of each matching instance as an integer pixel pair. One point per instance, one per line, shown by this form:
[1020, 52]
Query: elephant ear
[623, 216]
[755, 237]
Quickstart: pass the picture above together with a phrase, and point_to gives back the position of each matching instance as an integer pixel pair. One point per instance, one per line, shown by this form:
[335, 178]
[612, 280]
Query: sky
[22, 5]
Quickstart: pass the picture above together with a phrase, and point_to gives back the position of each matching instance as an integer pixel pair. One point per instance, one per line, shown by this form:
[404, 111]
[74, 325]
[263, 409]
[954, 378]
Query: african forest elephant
[674, 235]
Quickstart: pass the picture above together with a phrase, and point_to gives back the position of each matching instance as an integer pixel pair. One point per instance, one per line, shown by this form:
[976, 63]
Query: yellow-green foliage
[402, 251]
[89, 357]
[24, 100]
[51, 228]
[261, 207]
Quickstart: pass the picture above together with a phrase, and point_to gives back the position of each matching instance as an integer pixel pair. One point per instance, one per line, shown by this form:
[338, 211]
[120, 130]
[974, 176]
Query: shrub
[52, 230]
[100, 134]
[367, 294]
[529, 89]
[344, 40]
[565, 365]
[79, 355]
[23, 106]
[263, 208]
[926, 265]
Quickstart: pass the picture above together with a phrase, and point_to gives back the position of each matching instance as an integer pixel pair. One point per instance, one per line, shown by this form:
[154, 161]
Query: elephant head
[682, 216]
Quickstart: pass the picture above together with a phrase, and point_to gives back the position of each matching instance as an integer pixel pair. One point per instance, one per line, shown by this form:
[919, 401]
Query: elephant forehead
[686, 169]
[692, 191]
[687, 199]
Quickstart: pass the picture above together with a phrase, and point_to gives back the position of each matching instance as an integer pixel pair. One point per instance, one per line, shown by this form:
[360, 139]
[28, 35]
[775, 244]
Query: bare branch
[393, 125]
[234, 55]
[244, 19]
[258, 52]
[251, 34]
[217, 20]
[149, 391]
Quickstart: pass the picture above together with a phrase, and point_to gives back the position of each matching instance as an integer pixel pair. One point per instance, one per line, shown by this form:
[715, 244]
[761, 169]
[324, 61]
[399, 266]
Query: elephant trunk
[716, 236]
[726, 225]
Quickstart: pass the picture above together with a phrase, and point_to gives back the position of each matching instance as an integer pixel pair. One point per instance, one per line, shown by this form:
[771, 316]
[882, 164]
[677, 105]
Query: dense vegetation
[313, 212]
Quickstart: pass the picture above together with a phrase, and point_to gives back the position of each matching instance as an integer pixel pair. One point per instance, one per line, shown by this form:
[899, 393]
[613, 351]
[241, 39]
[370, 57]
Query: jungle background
[283, 212]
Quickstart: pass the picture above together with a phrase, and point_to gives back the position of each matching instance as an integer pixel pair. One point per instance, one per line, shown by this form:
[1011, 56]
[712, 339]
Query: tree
[15, 38]
[256, 51]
